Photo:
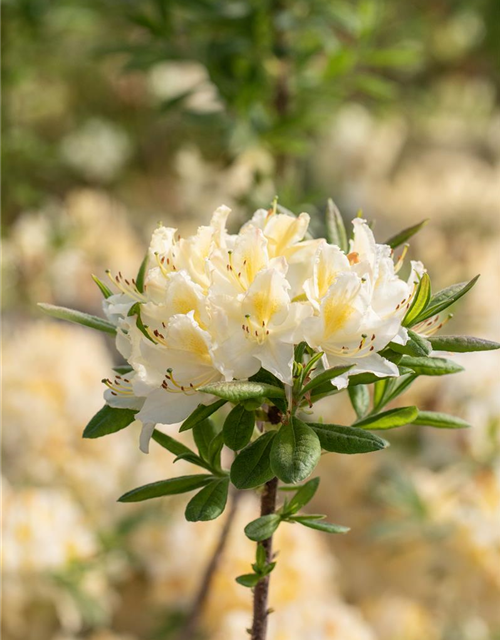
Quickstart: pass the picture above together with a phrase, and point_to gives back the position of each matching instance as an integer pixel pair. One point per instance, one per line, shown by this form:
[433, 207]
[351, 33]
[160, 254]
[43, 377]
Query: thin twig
[261, 591]
[190, 625]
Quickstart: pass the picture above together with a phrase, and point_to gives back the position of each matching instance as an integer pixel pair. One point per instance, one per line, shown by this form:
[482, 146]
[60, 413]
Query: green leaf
[420, 301]
[193, 458]
[252, 466]
[202, 412]
[320, 525]
[335, 228]
[238, 428]
[431, 366]
[215, 450]
[265, 376]
[106, 291]
[203, 433]
[242, 390]
[295, 452]
[249, 580]
[401, 237]
[350, 440]
[461, 344]
[416, 345]
[78, 317]
[304, 495]
[170, 444]
[389, 419]
[360, 399]
[170, 487]
[209, 503]
[123, 369]
[443, 299]
[141, 274]
[395, 387]
[325, 376]
[440, 420]
[263, 528]
[108, 420]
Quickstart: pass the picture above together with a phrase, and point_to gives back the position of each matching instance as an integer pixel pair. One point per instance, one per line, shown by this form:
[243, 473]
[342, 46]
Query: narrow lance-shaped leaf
[170, 444]
[106, 291]
[431, 366]
[420, 301]
[108, 420]
[406, 234]
[349, 440]
[335, 228]
[325, 376]
[170, 487]
[252, 467]
[303, 496]
[461, 344]
[209, 503]
[78, 317]
[320, 525]
[202, 412]
[389, 419]
[440, 420]
[295, 452]
[242, 390]
[139, 281]
[445, 298]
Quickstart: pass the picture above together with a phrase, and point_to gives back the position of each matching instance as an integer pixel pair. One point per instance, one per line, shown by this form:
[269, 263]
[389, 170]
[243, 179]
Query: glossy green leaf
[209, 503]
[360, 399]
[262, 528]
[106, 291]
[242, 390]
[108, 420]
[202, 412]
[141, 274]
[170, 444]
[440, 420]
[326, 376]
[461, 344]
[170, 487]
[238, 428]
[348, 440]
[335, 228]
[445, 298]
[420, 301]
[252, 466]
[403, 236]
[320, 525]
[431, 366]
[78, 317]
[249, 580]
[389, 419]
[303, 496]
[203, 433]
[295, 452]
[416, 345]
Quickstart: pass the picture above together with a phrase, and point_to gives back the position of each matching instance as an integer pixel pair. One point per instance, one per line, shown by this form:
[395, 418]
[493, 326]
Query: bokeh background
[119, 114]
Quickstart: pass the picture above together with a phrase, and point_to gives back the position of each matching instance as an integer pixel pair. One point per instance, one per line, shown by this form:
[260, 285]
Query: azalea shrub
[237, 336]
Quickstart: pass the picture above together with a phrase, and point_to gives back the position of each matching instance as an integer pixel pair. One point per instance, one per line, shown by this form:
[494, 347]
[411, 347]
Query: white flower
[176, 365]
[259, 327]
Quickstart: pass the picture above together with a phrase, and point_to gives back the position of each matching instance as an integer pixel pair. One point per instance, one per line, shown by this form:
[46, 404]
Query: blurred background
[117, 115]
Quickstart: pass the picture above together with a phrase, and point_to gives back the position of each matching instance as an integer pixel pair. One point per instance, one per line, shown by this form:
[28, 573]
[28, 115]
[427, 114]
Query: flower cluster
[218, 306]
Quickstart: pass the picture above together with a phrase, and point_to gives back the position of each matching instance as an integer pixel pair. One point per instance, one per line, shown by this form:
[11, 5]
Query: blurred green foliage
[278, 69]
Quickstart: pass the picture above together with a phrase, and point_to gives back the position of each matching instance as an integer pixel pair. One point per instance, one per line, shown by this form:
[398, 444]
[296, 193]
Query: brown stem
[190, 625]
[261, 591]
